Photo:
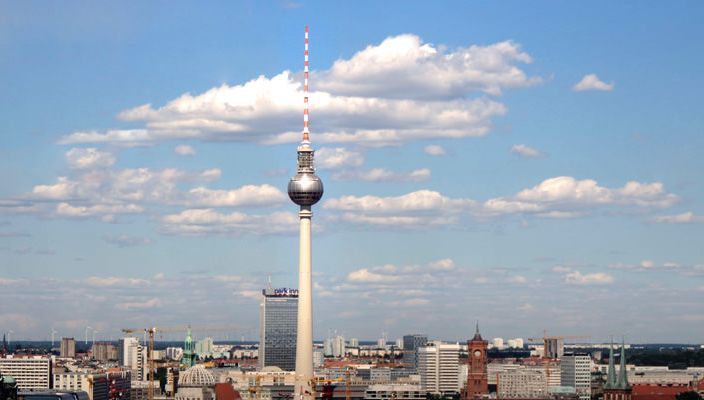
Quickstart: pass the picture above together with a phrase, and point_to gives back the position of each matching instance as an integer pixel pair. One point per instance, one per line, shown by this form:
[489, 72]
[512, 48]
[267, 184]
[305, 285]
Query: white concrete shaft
[304, 338]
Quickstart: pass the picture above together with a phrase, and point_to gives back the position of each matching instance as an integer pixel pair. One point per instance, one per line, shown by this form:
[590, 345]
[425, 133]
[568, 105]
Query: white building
[575, 371]
[29, 372]
[174, 353]
[497, 343]
[354, 342]
[128, 352]
[96, 385]
[516, 343]
[522, 384]
[338, 346]
[204, 347]
[438, 365]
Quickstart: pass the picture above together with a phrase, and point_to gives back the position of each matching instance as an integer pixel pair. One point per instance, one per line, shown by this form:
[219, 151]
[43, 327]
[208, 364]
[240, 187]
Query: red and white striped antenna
[306, 132]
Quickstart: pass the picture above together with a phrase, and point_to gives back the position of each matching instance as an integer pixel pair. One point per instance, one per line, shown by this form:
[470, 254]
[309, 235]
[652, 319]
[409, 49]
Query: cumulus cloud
[684, 218]
[383, 175]
[338, 157]
[387, 94]
[248, 195]
[434, 150]
[184, 150]
[210, 221]
[405, 67]
[525, 151]
[565, 197]
[592, 82]
[83, 158]
[115, 281]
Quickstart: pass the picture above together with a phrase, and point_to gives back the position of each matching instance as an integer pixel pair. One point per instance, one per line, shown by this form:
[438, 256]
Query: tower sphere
[305, 189]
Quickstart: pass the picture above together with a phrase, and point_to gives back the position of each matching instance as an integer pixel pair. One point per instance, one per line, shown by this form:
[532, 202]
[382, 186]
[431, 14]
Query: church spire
[611, 375]
[477, 335]
[622, 373]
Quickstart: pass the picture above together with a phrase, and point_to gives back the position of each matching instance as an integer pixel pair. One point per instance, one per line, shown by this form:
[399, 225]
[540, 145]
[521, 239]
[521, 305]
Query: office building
[554, 347]
[96, 385]
[103, 351]
[522, 384]
[278, 326]
[411, 343]
[575, 372]
[68, 348]
[204, 347]
[392, 391]
[33, 372]
[438, 365]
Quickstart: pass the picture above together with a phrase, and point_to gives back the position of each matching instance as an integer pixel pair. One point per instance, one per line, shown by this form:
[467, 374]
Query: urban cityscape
[343, 229]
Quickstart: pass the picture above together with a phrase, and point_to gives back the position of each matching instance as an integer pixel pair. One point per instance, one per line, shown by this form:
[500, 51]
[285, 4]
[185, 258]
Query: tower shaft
[304, 339]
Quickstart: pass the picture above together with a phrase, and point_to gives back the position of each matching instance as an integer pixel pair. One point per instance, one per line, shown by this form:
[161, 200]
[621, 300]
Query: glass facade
[279, 313]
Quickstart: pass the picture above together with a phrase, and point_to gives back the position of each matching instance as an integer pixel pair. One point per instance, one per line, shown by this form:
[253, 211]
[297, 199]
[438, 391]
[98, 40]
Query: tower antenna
[306, 132]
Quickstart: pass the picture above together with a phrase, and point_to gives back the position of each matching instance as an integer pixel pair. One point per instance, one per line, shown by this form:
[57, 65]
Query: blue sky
[534, 166]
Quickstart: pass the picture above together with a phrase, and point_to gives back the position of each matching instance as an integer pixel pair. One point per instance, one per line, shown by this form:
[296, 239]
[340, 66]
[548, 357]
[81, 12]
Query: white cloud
[184, 150]
[209, 221]
[565, 196]
[66, 210]
[338, 157]
[446, 264]
[592, 82]
[84, 158]
[383, 175]
[419, 201]
[418, 92]
[434, 150]
[404, 67]
[526, 151]
[597, 278]
[684, 218]
[247, 195]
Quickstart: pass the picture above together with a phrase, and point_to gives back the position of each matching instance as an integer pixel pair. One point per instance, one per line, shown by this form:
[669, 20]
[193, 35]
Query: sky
[531, 166]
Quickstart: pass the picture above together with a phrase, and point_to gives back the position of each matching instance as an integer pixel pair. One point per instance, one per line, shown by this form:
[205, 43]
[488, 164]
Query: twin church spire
[612, 381]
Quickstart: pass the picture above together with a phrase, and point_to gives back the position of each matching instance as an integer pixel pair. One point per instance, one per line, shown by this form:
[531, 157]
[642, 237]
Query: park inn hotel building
[278, 327]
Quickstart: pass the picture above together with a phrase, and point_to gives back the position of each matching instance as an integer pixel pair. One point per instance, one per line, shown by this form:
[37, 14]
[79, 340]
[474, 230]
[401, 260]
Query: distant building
[338, 346]
[354, 342]
[554, 347]
[103, 351]
[174, 353]
[411, 343]
[129, 352]
[68, 348]
[575, 371]
[29, 372]
[477, 375]
[278, 327]
[204, 347]
[438, 364]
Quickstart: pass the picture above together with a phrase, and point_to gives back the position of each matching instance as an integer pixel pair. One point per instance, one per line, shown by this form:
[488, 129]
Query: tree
[691, 395]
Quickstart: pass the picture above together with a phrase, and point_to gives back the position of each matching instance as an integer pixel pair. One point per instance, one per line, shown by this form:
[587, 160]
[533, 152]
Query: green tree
[691, 395]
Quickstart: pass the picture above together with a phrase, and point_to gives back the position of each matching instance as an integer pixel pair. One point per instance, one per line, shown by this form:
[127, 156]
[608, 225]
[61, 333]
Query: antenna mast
[306, 132]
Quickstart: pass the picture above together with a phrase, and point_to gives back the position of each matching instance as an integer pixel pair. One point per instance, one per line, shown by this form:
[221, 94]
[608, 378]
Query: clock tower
[477, 378]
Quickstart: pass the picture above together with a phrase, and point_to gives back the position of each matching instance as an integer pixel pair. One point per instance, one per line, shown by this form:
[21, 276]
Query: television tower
[305, 189]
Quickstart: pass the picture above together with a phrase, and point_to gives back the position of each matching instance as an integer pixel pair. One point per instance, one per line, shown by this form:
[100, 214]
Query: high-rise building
[68, 348]
[278, 327]
[554, 347]
[338, 346]
[305, 189]
[128, 352]
[354, 342]
[204, 347]
[411, 343]
[575, 371]
[438, 365]
[477, 378]
[32, 372]
[103, 351]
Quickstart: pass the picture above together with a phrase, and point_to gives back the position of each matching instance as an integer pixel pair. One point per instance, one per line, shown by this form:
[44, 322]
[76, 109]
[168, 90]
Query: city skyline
[532, 167]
